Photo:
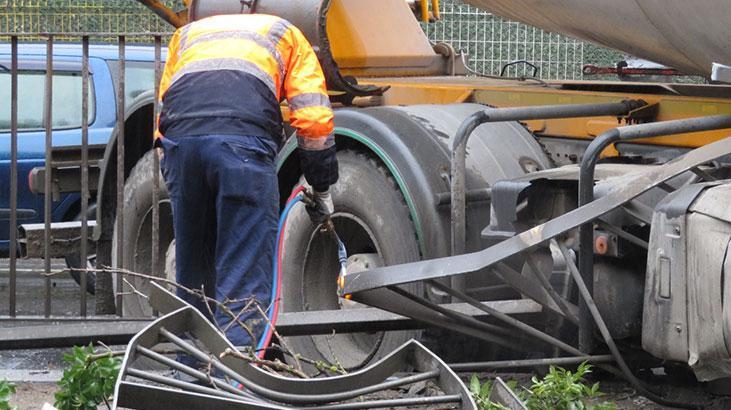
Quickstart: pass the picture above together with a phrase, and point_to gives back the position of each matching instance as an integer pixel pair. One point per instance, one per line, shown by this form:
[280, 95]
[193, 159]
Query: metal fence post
[48, 194]
[120, 171]
[84, 170]
[12, 288]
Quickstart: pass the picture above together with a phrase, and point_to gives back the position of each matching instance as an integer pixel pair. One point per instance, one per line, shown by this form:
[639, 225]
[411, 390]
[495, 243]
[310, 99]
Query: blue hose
[342, 257]
[275, 267]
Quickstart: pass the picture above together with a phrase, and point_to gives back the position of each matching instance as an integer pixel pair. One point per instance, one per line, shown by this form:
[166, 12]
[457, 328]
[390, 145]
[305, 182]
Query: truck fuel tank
[687, 312]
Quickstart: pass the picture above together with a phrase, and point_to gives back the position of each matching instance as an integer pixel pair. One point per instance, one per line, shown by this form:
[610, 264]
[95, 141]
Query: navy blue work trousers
[225, 202]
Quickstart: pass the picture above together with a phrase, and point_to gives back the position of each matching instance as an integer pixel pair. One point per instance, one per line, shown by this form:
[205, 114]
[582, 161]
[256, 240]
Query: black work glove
[320, 207]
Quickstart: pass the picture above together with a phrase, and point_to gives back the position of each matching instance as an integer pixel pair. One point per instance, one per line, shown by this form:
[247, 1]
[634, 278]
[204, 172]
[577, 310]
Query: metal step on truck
[564, 219]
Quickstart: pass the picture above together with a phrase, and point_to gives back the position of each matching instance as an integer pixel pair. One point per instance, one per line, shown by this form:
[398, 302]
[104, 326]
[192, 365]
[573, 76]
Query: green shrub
[7, 389]
[89, 381]
[560, 389]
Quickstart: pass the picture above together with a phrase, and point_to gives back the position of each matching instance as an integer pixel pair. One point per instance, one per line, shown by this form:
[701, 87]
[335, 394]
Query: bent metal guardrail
[190, 332]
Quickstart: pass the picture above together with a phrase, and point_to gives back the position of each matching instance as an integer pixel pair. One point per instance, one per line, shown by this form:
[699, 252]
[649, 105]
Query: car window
[139, 77]
[31, 89]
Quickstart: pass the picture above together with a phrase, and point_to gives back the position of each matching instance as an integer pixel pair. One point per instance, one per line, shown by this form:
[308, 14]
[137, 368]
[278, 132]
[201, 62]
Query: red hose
[275, 302]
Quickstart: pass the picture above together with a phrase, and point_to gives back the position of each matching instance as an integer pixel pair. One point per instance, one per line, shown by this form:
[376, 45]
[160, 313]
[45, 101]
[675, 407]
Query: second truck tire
[137, 242]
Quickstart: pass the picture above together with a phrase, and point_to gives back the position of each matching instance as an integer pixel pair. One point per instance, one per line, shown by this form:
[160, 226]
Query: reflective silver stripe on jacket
[257, 38]
[316, 144]
[183, 39]
[278, 30]
[228, 63]
[308, 100]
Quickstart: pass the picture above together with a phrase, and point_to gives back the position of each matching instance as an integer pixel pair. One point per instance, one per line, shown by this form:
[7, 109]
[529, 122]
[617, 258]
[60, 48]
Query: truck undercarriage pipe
[586, 192]
[459, 150]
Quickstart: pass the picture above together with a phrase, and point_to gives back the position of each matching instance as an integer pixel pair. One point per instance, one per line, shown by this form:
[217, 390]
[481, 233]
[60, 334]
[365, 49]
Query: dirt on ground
[33, 395]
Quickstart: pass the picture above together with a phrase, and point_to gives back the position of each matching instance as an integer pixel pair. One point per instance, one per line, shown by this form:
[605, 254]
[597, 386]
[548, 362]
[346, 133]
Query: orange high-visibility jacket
[226, 75]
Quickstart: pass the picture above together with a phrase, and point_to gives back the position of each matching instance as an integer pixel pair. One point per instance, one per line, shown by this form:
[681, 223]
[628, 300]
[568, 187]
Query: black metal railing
[55, 169]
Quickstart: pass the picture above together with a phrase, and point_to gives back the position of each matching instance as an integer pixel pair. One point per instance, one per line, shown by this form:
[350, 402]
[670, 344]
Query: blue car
[66, 118]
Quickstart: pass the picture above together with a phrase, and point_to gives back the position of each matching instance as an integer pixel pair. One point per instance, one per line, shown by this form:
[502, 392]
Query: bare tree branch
[195, 292]
[250, 303]
[273, 364]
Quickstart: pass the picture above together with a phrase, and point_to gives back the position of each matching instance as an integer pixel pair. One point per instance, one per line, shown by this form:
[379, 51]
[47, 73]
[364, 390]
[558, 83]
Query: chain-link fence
[67, 16]
[491, 41]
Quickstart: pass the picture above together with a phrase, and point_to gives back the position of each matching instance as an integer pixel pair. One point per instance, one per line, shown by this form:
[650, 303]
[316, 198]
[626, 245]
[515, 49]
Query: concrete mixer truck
[569, 218]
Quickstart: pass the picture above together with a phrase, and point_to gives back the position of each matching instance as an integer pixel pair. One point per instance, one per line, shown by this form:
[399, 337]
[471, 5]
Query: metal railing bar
[508, 320]
[390, 403]
[560, 301]
[202, 377]
[84, 170]
[512, 364]
[12, 288]
[48, 194]
[459, 317]
[119, 215]
[156, 164]
[53, 319]
[168, 381]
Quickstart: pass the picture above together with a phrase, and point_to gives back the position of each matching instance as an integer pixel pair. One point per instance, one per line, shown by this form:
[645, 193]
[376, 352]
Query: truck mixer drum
[686, 35]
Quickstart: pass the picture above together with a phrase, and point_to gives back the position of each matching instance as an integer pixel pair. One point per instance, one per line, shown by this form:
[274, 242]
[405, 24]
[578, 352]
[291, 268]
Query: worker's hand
[321, 207]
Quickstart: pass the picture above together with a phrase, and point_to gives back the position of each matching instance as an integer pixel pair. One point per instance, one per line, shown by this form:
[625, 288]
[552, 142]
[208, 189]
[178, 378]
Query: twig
[321, 365]
[246, 307]
[279, 337]
[210, 311]
[332, 352]
[209, 371]
[117, 353]
[134, 290]
[275, 364]
[98, 356]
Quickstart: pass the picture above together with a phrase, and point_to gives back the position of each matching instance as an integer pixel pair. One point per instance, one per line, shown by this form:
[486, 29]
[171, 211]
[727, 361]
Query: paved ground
[33, 395]
[31, 289]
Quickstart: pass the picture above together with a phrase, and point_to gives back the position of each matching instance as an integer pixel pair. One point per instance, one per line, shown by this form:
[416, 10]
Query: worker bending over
[220, 129]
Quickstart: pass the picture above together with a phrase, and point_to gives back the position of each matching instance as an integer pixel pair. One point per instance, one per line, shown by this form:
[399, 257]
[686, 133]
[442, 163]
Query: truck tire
[137, 235]
[371, 217]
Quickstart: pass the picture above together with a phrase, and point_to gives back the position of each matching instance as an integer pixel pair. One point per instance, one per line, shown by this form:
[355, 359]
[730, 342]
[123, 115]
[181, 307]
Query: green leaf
[474, 385]
[486, 388]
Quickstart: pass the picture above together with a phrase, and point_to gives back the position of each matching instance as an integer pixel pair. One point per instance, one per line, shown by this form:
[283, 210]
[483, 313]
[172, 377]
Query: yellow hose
[435, 9]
